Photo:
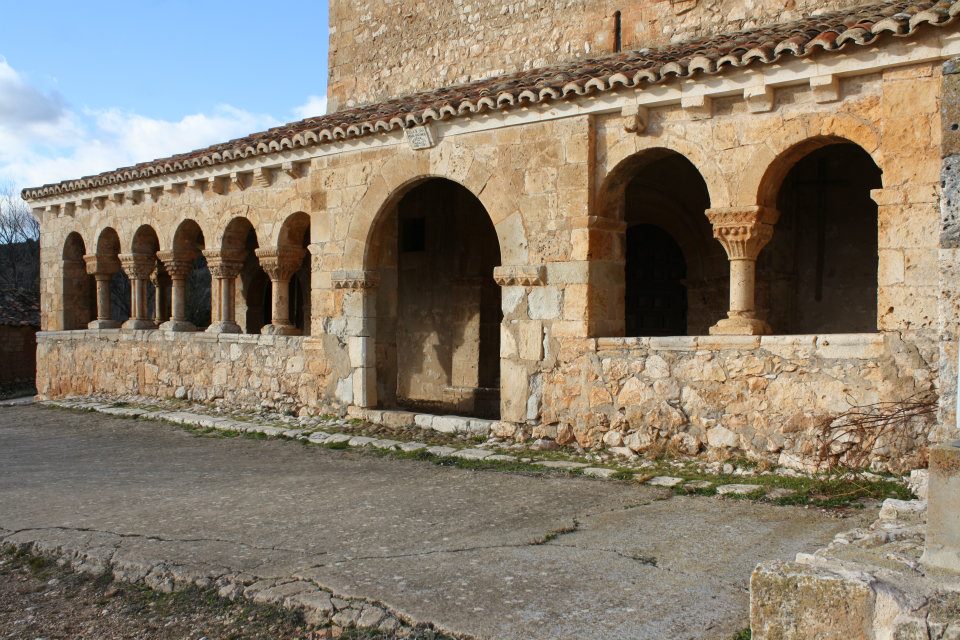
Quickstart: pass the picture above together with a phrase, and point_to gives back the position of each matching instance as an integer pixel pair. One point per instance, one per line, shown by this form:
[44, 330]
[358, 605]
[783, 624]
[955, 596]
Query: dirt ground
[38, 599]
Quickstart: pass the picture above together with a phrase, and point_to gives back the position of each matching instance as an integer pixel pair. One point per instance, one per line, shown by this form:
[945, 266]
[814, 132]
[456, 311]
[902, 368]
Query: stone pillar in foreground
[102, 268]
[224, 267]
[280, 264]
[743, 232]
[179, 269]
[138, 268]
[942, 550]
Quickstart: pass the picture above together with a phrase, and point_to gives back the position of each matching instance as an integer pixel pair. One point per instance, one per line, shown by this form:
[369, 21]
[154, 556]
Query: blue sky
[91, 85]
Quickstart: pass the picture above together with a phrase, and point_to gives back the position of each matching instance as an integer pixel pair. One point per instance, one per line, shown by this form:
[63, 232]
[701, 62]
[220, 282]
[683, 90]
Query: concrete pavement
[479, 554]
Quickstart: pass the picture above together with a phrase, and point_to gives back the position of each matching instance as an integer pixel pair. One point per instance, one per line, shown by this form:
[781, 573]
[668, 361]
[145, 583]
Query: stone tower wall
[387, 48]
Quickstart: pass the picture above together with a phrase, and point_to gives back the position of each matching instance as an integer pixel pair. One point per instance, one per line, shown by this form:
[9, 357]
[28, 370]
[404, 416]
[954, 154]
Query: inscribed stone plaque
[420, 137]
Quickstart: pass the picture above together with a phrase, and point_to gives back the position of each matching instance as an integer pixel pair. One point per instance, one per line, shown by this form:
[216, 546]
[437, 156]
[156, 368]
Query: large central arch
[437, 307]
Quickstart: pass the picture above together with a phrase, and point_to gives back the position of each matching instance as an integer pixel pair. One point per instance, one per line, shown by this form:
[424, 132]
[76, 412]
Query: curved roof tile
[827, 32]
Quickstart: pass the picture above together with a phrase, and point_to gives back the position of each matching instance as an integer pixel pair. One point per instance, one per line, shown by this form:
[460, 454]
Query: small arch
[108, 244]
[668, 276]
[145, 241]
[295, 234]
[78, 301]
[188, 243]
[819, 273]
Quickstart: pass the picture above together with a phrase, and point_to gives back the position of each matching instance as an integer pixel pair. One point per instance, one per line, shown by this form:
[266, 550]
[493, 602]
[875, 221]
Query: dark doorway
[657, 294]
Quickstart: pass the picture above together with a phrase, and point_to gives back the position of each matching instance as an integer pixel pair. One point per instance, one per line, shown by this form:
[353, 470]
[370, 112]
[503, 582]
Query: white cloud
[314, 106]
[44, 140]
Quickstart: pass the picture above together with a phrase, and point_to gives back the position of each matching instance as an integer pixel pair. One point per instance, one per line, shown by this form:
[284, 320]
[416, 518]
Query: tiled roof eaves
[829, 32]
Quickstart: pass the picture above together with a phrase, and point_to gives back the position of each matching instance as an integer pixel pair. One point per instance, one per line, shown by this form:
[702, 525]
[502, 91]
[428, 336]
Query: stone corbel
[759, 99]
[200, 184]
[355, 279]
[700, 107]
[118, 197]
[295, 169]
[825, 88]
[239, 180]
[100, 202]
[526, 275]
[155, 193]
[85, 204]
[220, 185]
[262, 177]
[69, 209]
[135, 196]
[635, 118]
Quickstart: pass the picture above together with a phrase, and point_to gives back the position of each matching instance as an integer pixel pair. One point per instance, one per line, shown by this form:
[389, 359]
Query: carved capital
[102, 264]
[177, 265]
[526, 275]
[138, 266]
[280, 262]
[743, 231]
[355, 279]
[223, 264]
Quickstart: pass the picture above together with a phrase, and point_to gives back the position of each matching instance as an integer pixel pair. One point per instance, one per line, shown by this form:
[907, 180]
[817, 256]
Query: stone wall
[282, 372]
[18, 354]
[767, 397]
[385, 49]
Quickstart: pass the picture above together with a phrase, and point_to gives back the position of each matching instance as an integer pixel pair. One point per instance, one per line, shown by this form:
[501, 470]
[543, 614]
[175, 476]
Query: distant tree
[19, 243]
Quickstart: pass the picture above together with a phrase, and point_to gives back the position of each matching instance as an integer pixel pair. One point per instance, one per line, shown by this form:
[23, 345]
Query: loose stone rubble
[868, 584]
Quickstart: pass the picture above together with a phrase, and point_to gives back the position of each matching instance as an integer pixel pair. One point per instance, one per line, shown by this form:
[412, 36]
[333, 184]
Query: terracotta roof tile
[828, 32]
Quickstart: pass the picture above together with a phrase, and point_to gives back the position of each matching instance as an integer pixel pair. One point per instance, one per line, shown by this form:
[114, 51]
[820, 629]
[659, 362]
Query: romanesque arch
[190, 282]
[819, 272]
[437, 309]
[494, 191]
[244, 306]
[667, 274]
[113, 285]
[78, 287]
[287, 264]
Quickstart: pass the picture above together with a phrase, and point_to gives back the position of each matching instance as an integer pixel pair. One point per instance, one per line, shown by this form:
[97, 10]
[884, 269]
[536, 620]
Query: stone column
[942, 549]
[224, 267]
[138, 268]
[280, 263]
[179, 268]
[161, 283]
[102, 268]
[743, 232]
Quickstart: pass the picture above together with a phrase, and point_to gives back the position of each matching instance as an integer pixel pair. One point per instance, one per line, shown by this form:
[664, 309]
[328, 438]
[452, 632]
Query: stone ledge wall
[763, 397]
[281, 372]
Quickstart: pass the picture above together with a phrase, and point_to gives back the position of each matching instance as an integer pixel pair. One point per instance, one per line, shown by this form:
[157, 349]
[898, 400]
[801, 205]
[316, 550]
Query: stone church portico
[714, 245]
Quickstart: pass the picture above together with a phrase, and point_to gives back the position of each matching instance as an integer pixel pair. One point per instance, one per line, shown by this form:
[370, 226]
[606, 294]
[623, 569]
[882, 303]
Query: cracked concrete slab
[479, 554]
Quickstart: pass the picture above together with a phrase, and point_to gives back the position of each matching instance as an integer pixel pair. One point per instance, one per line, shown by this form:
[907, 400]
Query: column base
[280, 330]
[224, 327]
[138, 324]
[103, 324]
[178, 326]
[740, 326]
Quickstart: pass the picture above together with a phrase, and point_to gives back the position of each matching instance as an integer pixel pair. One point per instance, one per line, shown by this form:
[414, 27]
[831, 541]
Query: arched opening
[188, 244]
[675, 273]
[108, 246]
[292, 249]
[149, 305]
[438, 308]
[240, 243]
[79, 302]
[818, 274]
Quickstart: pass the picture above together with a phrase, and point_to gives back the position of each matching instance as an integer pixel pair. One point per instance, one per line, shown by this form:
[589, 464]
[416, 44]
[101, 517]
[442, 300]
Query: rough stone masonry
[711, 226]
